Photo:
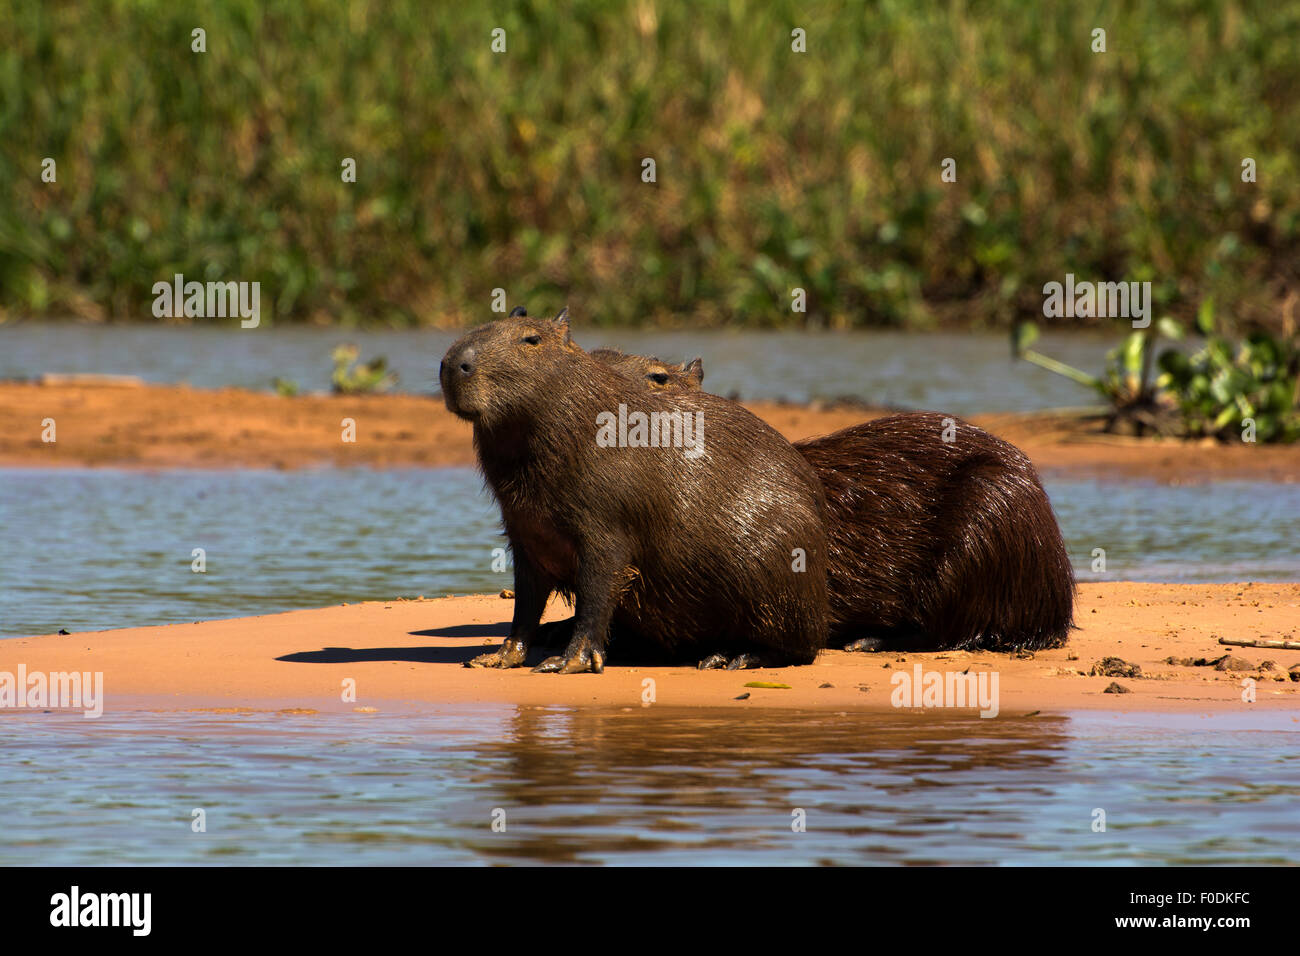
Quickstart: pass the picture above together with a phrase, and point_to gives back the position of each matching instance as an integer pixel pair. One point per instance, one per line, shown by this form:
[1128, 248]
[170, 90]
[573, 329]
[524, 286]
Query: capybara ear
[518, 312]
[694, 371]
[561, 322]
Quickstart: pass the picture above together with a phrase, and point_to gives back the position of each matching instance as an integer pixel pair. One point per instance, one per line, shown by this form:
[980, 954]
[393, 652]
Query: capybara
[702, 533]
[941, 535]
[656, 372]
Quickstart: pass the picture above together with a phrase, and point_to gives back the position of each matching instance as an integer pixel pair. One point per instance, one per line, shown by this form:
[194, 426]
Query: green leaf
[1176, 364]
[1205, 317]
[1024, 335]
[1134, 348]
[1170, 328]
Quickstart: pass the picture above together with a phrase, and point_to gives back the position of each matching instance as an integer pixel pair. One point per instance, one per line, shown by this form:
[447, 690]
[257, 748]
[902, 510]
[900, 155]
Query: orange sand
[409, 654]
[169, 426]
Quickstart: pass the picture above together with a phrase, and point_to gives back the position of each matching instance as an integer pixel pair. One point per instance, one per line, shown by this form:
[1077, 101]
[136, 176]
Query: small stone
[1294, 672]
[824, 686]
[1116, 688]
[64, 630]
[1229, 663]
[744, 696]
[507, 593]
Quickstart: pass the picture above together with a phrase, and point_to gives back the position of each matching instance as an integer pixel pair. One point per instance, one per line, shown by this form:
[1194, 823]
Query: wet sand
[175, 426]
[409, 654]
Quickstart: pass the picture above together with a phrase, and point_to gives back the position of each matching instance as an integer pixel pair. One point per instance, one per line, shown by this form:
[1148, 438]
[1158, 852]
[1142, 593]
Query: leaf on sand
[768, 685]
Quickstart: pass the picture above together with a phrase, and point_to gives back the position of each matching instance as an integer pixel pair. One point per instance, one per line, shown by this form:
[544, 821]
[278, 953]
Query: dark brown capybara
[677, 517]
[941, 535]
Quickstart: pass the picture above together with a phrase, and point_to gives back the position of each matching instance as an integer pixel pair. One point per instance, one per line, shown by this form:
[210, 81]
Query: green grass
[775, 169]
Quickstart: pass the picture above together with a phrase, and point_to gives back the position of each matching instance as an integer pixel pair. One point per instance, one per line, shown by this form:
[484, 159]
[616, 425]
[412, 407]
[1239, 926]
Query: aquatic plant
[1226, 388]
[285, 387]
[350, 378]
[1247, 390]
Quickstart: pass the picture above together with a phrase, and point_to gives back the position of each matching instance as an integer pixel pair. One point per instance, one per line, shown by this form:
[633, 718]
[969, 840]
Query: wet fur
[933, 544]
[689, 556]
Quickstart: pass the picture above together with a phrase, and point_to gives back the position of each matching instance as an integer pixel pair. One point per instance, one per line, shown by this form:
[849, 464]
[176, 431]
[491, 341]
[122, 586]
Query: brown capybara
[677, 517]
[941, 535]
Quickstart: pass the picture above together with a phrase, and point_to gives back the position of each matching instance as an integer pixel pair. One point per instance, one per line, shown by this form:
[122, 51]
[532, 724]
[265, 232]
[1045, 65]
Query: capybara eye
[532, 339]
[659, 378]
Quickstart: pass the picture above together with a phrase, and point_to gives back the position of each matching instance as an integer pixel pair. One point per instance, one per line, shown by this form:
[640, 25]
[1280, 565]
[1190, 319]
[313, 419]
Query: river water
[89, 549]
[648, 786]
[958, 372]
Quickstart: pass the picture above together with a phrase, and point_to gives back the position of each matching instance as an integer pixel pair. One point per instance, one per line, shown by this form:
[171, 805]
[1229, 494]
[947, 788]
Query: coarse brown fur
[941, 535]
[692, 554]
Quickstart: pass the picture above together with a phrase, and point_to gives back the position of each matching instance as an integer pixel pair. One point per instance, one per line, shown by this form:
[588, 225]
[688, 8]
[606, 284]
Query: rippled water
[652, 786]
[959, 372]
[89, 549]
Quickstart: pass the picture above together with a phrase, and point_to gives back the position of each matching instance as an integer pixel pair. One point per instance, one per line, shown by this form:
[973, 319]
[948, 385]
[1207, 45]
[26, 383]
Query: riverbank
[175, 426]
[409, 654]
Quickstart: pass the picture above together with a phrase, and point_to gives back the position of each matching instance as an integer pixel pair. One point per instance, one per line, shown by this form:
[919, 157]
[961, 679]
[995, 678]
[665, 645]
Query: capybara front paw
[581, 660]
[509, 654]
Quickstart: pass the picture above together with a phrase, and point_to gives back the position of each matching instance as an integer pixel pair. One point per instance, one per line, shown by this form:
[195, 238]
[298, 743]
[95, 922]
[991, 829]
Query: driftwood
[1284, 645]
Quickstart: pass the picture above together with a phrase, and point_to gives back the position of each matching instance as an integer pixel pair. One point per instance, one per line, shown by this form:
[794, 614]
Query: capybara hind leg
[864, 645]
[721, 662]
[745, 661]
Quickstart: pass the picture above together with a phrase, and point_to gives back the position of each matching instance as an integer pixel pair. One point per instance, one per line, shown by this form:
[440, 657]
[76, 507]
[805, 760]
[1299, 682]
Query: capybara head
[653, 371]
[490, 373]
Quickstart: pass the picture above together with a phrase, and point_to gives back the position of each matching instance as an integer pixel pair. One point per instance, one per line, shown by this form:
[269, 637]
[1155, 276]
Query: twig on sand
[1284, 645]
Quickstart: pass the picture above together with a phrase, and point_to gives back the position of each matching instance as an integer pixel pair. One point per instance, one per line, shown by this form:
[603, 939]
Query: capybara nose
[464, 362]
[457, 364]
